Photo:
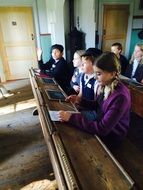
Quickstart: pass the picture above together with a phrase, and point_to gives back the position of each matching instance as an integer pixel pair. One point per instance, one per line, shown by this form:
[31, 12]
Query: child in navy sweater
[87, 79]
[117, 49]
[56, 67]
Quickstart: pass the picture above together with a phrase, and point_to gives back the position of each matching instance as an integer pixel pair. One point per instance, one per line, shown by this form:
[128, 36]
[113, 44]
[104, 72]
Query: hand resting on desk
[75, 99]
[64, 115]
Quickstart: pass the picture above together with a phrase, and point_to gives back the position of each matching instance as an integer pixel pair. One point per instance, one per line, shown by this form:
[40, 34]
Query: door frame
[25, 3]
[129, 28]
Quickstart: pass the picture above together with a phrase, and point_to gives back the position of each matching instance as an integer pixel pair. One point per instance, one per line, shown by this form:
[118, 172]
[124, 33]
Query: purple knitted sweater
[116, 114]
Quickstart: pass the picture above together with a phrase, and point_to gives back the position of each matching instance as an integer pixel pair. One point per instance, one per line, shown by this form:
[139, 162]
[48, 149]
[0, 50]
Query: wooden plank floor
[23, 153]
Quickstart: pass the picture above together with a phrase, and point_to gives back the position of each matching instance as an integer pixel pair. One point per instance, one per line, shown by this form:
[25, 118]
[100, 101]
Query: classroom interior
[25, 158]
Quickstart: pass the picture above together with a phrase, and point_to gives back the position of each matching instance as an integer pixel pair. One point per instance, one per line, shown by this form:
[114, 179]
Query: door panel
[19, 52]
[115, 23]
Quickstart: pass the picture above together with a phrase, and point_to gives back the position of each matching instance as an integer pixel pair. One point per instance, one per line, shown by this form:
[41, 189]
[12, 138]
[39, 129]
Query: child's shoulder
[122, 89]
[62, 60]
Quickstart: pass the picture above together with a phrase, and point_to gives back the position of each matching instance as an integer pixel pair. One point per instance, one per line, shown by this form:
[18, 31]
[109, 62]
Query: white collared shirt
[87, 77]
[135, 65]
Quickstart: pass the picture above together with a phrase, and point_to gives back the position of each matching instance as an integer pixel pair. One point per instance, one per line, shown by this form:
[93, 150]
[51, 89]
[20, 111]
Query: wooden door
[115, 24]
[17, 43]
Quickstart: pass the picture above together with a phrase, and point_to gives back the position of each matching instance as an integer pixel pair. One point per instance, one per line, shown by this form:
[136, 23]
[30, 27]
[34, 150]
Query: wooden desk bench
[80, 160]
[136, 90]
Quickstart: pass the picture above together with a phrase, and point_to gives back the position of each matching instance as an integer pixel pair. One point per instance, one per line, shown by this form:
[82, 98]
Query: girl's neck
[110, 82]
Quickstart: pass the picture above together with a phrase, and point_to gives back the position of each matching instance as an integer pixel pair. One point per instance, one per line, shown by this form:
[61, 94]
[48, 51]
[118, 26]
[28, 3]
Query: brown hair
[109, 62]
[88, 57]
[118, 45]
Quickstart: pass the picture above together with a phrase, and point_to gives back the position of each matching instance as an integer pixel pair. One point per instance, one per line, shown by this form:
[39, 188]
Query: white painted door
[17, 43]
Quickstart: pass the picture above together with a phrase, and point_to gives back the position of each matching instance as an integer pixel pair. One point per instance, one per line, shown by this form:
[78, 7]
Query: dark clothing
[58, 70]
[138, 73]
[75, 80]
[77, 76]
[87, 88]
[124, 64]
[112, 141]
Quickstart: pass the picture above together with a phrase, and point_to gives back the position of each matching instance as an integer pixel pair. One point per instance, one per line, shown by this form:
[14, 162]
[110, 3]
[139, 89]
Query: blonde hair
[80, 52]
[132, 58]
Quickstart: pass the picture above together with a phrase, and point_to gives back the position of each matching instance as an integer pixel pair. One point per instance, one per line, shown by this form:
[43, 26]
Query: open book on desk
[55, 116]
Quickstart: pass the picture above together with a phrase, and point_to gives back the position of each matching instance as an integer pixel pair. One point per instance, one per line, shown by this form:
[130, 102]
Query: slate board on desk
[55, 95]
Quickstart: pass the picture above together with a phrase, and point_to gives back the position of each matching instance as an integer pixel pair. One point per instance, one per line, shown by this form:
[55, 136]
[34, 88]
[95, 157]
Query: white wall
[55, 14]
[42, 16]
[85, 10]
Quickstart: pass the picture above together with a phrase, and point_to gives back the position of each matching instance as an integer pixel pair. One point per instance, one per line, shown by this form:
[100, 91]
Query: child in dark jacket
[56, 67]
[117, 49]
[112, 104]
[135, 68]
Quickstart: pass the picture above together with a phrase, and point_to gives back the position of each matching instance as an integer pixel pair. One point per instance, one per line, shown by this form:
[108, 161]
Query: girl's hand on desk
[73, 98]
[64, 115]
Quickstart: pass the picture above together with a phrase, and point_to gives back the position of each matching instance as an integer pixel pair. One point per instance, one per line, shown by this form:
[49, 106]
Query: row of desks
[79, 160]
[136, 90]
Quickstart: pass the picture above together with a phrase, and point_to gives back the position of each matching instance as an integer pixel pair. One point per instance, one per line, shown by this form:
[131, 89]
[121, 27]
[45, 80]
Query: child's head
[57, 51]
[77, 58]
[107, 67]
[138, 52]
[95, 52]
[87, 63]
[116, 48]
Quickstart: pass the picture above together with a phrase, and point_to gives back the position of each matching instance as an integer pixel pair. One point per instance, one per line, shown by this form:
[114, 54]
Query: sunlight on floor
[18, 106]
[44, 184]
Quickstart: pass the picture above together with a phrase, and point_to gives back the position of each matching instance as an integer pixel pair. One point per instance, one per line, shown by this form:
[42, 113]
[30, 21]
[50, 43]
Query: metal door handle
[32, 36]
[104, 32]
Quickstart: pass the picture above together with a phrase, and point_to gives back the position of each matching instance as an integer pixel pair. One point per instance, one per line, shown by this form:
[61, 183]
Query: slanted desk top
[136, 90]
[80, 160]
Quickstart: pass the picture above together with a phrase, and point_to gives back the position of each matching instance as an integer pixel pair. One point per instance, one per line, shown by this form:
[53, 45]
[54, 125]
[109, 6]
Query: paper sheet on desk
[55, 116]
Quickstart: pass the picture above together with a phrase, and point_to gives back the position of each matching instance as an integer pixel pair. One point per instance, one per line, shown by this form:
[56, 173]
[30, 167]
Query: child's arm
[39, 53]
[103, 127]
